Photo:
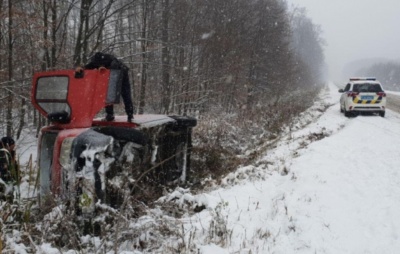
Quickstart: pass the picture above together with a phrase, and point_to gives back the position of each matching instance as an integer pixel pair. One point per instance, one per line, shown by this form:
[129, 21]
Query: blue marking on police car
[367, 97]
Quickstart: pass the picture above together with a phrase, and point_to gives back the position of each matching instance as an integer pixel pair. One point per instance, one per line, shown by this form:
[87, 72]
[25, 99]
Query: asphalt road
[393, 102]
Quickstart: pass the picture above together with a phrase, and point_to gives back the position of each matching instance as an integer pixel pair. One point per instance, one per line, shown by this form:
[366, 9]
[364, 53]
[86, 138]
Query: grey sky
[355, 29]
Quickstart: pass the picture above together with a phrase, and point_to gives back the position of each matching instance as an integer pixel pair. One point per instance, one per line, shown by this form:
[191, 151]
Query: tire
[382, 113]
[347, 113]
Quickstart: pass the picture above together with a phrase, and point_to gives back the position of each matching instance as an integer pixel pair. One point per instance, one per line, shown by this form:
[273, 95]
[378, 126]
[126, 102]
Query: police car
[363, 95]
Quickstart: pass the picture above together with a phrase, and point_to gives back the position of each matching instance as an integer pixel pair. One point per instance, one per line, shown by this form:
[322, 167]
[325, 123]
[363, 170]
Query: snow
[331, 184]
[207, 35]
[340, 194]
[147, 121]
[150, 120]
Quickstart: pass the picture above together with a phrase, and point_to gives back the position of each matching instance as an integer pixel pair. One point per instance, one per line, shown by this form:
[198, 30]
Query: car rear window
[371, 88]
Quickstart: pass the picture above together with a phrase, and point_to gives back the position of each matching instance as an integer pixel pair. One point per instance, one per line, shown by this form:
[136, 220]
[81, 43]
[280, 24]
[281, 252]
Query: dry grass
[224, 142]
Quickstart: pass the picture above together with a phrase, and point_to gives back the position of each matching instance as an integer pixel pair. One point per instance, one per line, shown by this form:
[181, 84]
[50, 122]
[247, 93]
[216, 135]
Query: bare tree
[308, 44]
[10, 69]
[143, 43]
[165, 58]
[81, 48]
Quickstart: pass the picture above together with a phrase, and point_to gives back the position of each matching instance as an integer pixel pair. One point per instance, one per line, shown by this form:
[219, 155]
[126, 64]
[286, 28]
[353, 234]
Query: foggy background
[358, 33]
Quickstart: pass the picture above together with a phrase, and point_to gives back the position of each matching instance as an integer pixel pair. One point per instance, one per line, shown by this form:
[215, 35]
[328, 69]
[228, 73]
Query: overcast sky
[355, 29]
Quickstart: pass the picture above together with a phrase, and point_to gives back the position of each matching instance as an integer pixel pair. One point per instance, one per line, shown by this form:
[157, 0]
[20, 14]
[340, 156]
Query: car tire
[382, 113]
[347, 113]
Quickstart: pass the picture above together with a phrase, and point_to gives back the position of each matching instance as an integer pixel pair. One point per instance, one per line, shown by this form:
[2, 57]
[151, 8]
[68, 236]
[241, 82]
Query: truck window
[51, 94]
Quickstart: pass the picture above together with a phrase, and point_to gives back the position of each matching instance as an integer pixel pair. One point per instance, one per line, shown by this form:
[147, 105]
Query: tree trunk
[82, 39]
[46, 56]
[132, 51]
[22, 109]
[188, 80]
[165, 60]
[10, 70]
[142, 98]
[22, 112]
[53, 33]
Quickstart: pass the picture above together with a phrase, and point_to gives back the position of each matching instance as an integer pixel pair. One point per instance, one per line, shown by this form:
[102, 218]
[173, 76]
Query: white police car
[363, 95]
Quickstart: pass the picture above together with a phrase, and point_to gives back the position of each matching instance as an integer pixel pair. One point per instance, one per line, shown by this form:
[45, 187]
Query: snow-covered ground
[330, 185]
[339, 194]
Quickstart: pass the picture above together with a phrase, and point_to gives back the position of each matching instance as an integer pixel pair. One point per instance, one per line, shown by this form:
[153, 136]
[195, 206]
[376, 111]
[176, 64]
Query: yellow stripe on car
[376, 101]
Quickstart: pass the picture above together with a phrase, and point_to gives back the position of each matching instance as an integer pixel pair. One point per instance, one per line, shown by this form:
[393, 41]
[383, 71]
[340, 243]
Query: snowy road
[341, 193]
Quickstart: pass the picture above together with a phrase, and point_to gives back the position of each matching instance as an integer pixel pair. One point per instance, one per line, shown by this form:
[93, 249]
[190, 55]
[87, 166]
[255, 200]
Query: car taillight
[352, 94]
[383, 94]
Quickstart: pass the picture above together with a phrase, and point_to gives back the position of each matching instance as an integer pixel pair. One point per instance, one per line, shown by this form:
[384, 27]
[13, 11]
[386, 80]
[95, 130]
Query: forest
[243, 68]
[200, 58]
[387, 72]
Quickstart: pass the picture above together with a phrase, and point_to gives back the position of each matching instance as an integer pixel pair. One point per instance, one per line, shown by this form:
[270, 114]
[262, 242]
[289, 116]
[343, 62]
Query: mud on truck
[91, 161]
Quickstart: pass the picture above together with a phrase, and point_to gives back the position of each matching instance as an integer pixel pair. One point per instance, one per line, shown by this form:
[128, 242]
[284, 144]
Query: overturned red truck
[86, 158]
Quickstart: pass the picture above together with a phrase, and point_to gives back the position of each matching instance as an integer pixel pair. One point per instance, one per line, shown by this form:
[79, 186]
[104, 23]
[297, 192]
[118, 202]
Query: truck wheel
[382, 113]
